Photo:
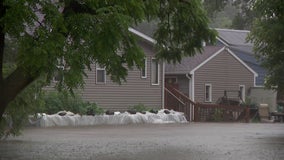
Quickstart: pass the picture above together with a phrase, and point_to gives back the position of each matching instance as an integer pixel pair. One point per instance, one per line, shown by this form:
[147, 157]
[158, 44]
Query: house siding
[223, 72]
[136, 90]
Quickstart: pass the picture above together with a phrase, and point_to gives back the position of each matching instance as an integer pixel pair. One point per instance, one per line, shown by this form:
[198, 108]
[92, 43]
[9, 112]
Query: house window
[144, 69]
[100, 74]
[58, 75]
[242, 92]
[171, 80]
[155, 72]
[208, 93]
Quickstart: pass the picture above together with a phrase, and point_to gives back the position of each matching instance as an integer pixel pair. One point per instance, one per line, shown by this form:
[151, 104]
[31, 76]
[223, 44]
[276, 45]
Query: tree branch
[2, 39]
[16, 82]
[76, 7]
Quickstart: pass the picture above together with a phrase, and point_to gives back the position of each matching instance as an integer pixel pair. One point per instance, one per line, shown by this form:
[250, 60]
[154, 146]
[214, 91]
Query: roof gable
[191, 64]
[217, 53]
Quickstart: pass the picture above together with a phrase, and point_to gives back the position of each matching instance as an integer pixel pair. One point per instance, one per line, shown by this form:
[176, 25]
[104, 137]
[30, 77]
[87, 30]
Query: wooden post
[247, 114]
[166, 99]
[196, 115]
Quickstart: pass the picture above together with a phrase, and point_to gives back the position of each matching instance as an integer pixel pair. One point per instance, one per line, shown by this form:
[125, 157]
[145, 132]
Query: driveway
[192, 141]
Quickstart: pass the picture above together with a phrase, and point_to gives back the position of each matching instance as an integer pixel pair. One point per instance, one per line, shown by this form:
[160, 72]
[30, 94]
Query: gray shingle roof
[189, 63]
[234, 37]
[147, 28]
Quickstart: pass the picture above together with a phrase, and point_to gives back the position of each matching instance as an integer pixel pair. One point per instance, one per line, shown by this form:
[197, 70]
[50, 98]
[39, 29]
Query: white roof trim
[222, 41]
[232, 30]
[142, 35]
[207, 60]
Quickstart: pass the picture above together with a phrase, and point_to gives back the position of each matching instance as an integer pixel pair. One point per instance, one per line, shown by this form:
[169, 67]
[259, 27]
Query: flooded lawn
[193, 141]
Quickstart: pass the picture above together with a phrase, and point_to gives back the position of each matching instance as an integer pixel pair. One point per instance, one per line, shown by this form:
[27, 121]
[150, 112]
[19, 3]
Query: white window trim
[210, 92]
[145, 68]
[155, 84]
[98, 68]
[244, 91]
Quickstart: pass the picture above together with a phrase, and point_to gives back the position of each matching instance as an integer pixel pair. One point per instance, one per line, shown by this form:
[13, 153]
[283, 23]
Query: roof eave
[142, 35]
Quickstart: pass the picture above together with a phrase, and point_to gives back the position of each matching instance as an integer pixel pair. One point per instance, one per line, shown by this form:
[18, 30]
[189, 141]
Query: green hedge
[59, 101]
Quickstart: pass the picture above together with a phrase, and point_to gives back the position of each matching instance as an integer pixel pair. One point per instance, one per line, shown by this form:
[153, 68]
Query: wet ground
[194, 141]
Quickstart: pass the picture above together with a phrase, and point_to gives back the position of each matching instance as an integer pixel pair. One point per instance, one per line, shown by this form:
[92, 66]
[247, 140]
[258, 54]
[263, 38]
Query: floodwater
[192, 141]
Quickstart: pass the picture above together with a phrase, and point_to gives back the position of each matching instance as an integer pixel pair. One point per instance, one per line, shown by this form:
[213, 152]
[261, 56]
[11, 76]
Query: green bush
[59, 101]
[218, 115]
[93, 109]
[139, 108]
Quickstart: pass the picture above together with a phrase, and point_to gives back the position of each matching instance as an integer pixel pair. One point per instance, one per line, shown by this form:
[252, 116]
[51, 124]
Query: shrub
[58, 101]
[93, 109]
[139, 108]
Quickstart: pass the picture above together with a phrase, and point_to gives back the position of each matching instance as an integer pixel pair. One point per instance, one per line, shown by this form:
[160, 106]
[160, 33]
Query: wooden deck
[198, 112]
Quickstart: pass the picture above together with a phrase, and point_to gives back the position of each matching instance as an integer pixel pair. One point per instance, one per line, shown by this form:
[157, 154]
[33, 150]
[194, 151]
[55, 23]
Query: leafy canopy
[267, 36]
[77, 33]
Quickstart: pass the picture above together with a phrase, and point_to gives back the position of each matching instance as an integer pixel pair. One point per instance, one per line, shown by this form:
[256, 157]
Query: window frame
[99, 68]
[209, 94]
[145, 69]
[158, 72]
[242, 92]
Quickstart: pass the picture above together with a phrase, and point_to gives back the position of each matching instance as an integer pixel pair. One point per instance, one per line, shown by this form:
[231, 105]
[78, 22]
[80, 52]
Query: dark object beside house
[234, 100]
[142, 112]
[62, 113]
[109, 112]
[131, 111]
[90, 112]
[153, 111]
[228, 101]
[167, 111]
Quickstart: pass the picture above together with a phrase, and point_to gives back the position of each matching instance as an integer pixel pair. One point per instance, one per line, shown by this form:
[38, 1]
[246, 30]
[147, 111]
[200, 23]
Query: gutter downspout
[190, 96]
[189, 78]
[163, 84]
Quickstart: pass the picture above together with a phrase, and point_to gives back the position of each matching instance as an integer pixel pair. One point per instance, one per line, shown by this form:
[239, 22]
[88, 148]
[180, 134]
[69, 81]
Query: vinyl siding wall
[223, 72]
[137, 90]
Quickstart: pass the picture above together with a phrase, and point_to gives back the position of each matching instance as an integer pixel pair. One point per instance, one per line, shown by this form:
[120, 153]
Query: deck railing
[198, 112]
[176, 100]
[218, 113]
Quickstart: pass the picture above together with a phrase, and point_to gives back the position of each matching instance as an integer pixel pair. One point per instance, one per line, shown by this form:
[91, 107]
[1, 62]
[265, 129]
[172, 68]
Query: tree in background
[245, 16]
[268, 39]
[67, 36]
[214, 6]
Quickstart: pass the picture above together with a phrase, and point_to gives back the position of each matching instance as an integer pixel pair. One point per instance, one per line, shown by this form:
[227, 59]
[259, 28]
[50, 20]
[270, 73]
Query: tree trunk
[12, 86]
[2, 43]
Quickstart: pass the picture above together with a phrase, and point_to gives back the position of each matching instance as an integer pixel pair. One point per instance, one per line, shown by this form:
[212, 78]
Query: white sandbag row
[118, 118]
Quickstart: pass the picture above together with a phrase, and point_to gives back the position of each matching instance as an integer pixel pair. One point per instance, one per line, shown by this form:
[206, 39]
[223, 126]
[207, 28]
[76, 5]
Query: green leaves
[268, 40]
[182, 28]
[93, 31]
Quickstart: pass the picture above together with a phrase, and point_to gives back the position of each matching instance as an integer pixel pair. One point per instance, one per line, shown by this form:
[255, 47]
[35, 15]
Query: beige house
[206, 76]
[141, 87]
